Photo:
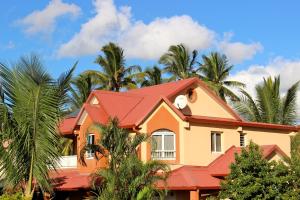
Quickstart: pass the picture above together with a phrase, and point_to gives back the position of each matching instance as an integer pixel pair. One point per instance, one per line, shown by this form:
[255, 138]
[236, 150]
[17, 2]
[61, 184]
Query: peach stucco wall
[91, 163]
[265, 137]
[194, 143]
[197, 140]
[205, 105]
[164, 118]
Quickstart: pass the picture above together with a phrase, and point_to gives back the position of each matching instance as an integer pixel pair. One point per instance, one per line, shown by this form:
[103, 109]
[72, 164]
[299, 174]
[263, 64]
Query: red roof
[221, 165]
[70, 179]
[234, 122]
[67, 125]
[183, 178]
[200, 177]
[190, 178]
[132, 107]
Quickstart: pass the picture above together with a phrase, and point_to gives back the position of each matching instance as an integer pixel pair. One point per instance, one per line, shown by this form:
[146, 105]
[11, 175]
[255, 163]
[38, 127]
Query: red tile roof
[183, 178]
[221, 165]
[70, 179]
[133, 106]
[234, 122]
[190, 178]
[200, 177]
[67, 125]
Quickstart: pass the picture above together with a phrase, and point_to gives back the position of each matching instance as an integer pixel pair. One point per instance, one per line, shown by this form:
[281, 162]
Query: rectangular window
[242, 140]
[163, 145]
[216, 142]
[90, 140]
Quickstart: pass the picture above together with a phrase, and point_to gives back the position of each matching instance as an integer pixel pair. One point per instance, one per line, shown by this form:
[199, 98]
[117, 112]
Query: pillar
[194, 195]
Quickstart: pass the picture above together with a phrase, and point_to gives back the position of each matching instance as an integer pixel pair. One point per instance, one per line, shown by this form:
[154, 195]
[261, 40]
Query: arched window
[163, 145]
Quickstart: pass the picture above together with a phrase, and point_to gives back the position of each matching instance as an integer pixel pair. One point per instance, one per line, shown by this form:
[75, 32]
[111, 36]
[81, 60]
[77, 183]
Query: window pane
[218, 142]
[156, 142]
[91, 139]
[213, 142]
[169, 142]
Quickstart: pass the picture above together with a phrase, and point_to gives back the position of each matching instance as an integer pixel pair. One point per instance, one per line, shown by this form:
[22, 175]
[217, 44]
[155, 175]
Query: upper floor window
[242, 140]
[163, 145]
[216, 142]
[90, 140]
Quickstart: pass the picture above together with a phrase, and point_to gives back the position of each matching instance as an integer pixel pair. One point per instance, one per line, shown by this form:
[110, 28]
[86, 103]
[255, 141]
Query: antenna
[180, 102]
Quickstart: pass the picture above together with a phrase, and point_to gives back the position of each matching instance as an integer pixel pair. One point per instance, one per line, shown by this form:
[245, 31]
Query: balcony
[67, 162]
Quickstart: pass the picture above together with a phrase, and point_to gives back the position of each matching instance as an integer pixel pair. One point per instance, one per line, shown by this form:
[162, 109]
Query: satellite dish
[180, 102]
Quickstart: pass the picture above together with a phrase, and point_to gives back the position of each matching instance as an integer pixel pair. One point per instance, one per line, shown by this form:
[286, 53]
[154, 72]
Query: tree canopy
[126, 177]
[31, 108]
[269, 106]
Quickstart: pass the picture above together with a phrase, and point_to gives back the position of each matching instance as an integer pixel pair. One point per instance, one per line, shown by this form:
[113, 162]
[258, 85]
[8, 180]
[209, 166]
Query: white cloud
[288, 70]
[140, 40]
[103, 27]
[237, 52]
[43, 21]
[149, 41]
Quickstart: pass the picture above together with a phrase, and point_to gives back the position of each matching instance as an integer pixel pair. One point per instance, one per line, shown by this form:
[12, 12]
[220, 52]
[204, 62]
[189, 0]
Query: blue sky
[261, 38]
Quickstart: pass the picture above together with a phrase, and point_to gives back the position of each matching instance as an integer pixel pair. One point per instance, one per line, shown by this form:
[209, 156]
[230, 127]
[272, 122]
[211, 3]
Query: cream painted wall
[197, 141]
[265, 137]
[205, 105]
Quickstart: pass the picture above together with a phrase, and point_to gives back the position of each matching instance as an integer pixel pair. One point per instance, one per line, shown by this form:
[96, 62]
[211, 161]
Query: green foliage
[152, 76]
[67, 146]
[32, 107]
[126, 177]
[179, 62]
[293, 191]
[16, 196]
[81, 88]
[249, 177]
[253, 177]
[269, 106]
[215, 71]
[114, 75]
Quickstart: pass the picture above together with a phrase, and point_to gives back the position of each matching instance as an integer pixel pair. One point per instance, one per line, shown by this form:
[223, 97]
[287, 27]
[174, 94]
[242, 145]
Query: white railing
[163, 155]
[67, 162]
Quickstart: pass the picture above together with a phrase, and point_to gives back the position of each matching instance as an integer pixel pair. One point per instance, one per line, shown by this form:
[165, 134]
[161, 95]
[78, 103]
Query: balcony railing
[163, 155]
[67, 162]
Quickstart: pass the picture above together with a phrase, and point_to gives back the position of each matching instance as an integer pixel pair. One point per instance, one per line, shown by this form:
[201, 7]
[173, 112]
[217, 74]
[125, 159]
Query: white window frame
[90, 154]
[164, 133]
[214, 137]
[245, 139]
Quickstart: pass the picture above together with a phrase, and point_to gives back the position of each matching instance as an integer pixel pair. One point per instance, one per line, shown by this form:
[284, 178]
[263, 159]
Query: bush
[16, 196]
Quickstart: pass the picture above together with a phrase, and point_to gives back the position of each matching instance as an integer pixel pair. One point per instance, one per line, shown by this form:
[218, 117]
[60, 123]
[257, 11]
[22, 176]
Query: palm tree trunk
[29, 190]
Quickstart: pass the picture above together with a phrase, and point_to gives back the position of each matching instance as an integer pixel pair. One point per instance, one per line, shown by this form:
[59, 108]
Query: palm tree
[114, 75]
[214, 71]
[126, 176]
[67, 146]
[269, 106]
[179, 62]
[153, 76]
[81, 87]
[31, 110]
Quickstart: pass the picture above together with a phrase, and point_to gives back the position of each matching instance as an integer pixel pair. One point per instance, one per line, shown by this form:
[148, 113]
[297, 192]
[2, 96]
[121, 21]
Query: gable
[203, 103]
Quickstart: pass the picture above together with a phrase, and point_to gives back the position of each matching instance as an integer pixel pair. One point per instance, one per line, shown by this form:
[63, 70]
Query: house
[198, 141]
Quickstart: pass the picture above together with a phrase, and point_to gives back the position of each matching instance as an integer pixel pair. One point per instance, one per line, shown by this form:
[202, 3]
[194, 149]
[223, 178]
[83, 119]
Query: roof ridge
[163, 84]
[142, 98]
[119, 93]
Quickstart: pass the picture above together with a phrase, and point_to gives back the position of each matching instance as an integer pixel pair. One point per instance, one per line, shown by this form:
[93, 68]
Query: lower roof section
[183, 178]
[70, 180]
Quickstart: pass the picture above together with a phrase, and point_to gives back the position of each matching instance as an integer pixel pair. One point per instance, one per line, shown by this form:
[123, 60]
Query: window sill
[217, 152]
[163, 159]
